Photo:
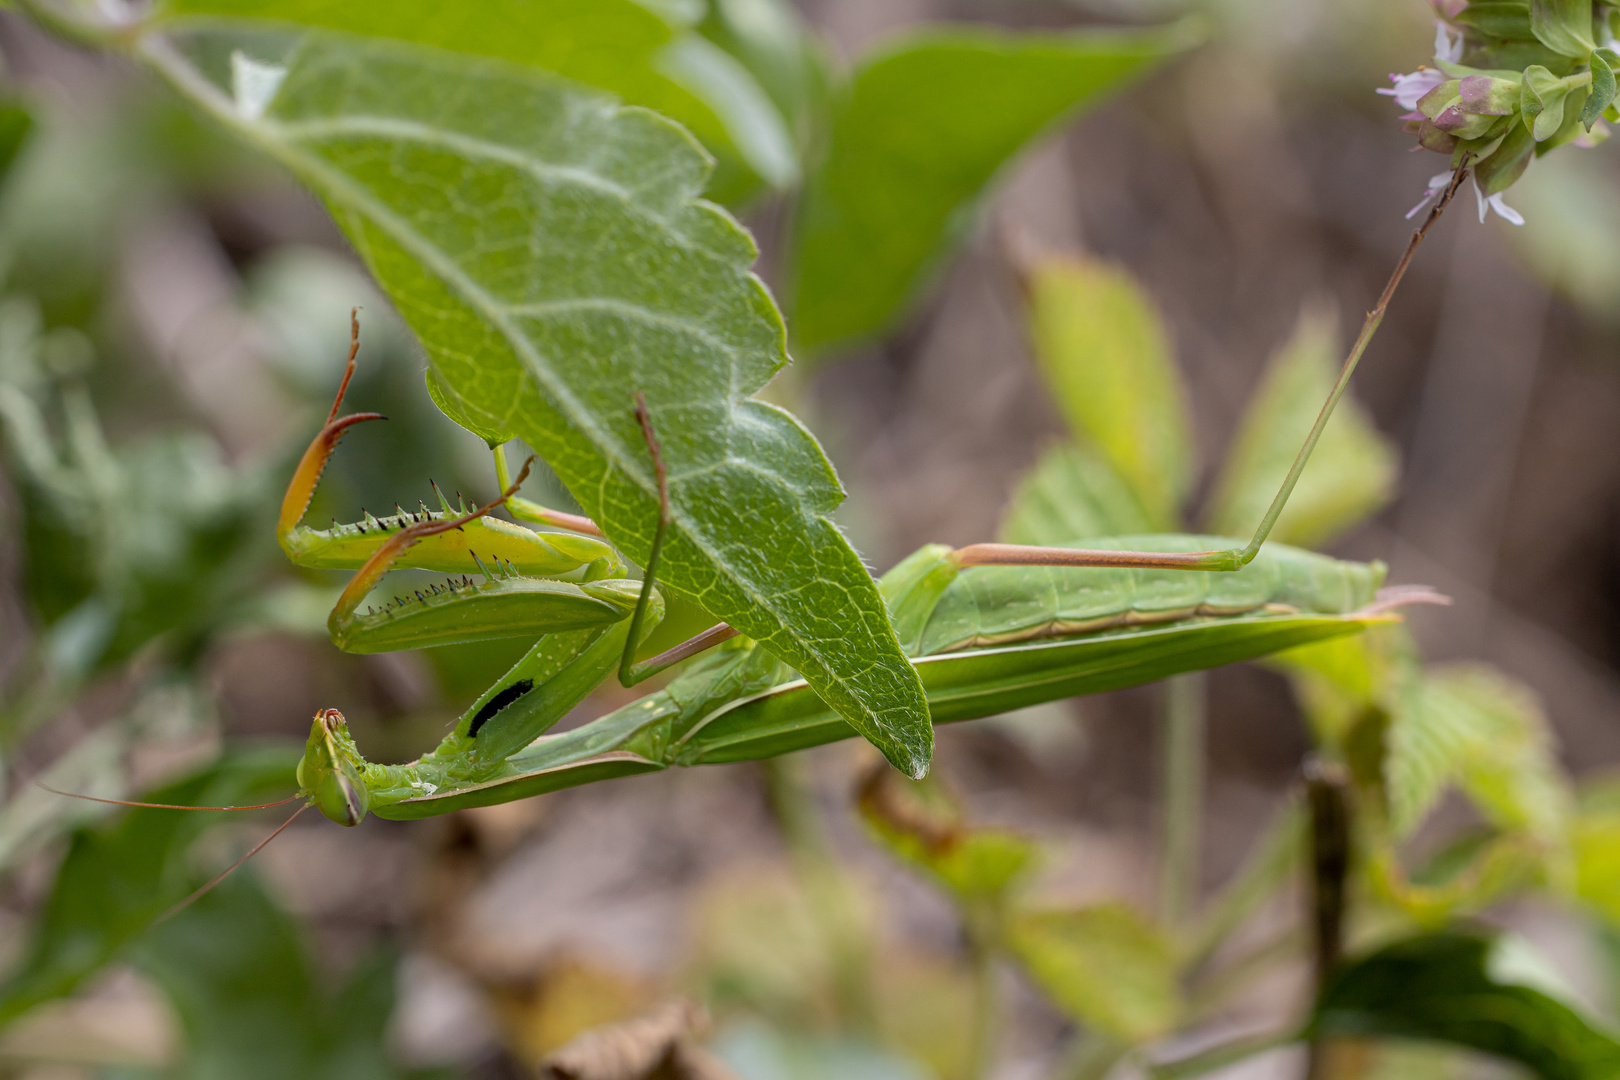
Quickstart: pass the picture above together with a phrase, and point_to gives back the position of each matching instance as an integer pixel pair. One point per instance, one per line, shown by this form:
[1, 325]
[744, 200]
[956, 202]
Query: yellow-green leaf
[920, 823]
[1474, 727]
[1072, 494]
[1350, 476]
[1105, 966]
[1102, 346]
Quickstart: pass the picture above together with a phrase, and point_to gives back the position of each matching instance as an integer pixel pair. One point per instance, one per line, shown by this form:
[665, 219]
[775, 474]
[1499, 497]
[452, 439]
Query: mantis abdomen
[998, 605]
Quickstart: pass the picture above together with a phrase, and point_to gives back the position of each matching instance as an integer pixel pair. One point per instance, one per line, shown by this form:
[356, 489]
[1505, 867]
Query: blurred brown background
[1253, 177]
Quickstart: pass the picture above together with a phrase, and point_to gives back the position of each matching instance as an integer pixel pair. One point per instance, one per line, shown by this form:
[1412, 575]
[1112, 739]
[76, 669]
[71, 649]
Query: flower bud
[1440, 99]
[1445, 108]
[1430, 137]
[1486, 95]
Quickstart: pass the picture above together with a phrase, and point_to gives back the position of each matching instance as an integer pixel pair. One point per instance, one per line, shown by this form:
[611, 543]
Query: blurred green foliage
[143, 541]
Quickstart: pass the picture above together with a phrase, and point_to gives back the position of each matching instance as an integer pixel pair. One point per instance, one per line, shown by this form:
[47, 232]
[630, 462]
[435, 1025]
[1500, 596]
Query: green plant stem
[1183, 781]
[1327, 788]
[1091, 1057]
[979, 926]
[1211, 993]
[1271, 862]
[58, 22]
[828, 889]
[1217, 1057]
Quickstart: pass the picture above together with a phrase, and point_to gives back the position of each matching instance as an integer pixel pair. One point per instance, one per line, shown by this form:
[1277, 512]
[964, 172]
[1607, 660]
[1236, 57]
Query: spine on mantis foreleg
[348, 547]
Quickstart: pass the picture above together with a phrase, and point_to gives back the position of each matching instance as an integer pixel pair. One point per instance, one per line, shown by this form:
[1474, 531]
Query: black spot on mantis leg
[495, 704]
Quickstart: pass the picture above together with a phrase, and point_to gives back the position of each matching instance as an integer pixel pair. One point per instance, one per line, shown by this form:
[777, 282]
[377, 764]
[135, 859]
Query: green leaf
[1472, 991]
[1474, 727]
[1595, 839]
[765, 1053]
[1102, 346]
[1350, 476]
[1564, 26]
[920, 823]
[1542, 100]
[1508, 19]
[550, 251]
[922, 129]
[1571, 199]
[1595, 843]
[1105, 966]
[626, 48]
[250, 1003]
[1503, 168]
[770, 40]
[157, 538]
[1603, 87]
[16, 122]
[1071, 494]
[118, 878]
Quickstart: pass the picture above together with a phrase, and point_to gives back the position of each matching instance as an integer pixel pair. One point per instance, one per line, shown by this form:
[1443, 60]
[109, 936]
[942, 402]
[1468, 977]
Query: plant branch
[1183, 781]
[1327, 790]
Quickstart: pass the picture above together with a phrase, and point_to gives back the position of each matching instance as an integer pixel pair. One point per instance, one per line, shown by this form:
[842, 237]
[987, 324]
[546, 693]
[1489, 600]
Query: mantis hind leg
[631, 672]
[1231, 558]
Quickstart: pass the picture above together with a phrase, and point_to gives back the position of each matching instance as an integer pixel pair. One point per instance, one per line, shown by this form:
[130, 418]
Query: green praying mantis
[991, 627]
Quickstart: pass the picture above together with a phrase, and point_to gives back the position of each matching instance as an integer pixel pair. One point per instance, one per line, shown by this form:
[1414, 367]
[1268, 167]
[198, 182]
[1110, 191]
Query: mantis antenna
[222, 875]
[1231, 558]
[162, 806]
[229, 870]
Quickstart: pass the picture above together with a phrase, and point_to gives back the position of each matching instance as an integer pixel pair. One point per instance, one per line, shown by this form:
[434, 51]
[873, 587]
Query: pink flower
[1410, 88]
[1437, 184]
[1447, 48]
[1494, 202]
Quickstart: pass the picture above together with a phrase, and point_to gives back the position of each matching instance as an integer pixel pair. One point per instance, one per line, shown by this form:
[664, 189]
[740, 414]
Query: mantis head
[329, 774]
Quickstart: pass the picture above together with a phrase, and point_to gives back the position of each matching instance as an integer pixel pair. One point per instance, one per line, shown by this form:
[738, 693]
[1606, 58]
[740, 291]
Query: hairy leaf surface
[1476, 728]
[550, 250]
[923, 127]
